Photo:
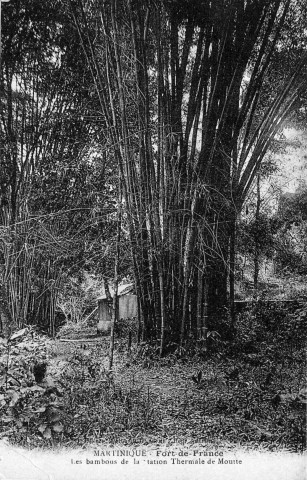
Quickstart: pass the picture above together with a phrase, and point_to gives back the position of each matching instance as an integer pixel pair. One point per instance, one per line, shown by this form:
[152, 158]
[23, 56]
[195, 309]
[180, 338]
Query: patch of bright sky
[293, 163]
[292, 171]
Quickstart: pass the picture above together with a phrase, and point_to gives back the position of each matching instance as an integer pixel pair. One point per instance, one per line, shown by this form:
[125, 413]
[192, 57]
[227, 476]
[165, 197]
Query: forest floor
[254, 401]
[58, 396]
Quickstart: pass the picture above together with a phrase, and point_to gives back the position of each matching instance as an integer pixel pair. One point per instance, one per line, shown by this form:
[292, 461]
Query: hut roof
[122, 290]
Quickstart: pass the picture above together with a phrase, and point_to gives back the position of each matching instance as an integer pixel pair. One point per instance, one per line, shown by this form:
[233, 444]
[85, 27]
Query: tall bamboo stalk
[115, 286]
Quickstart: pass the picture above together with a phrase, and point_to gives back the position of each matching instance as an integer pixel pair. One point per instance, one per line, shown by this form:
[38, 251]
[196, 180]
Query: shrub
[125, 325]
[271, 315]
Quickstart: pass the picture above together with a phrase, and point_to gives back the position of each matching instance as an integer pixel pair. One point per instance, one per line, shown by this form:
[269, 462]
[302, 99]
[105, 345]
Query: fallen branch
[78, 339]
[90, 315]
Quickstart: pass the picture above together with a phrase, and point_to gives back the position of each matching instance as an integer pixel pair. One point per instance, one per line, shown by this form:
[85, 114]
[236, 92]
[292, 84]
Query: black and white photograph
[153, 239]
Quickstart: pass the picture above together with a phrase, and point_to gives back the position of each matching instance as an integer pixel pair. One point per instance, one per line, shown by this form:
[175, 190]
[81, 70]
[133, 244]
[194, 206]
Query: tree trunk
[5, 315]
[232, 266]
[257, 249]
[115, 288]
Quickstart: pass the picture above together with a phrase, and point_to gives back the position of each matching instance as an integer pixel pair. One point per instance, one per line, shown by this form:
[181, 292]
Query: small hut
[126, 304]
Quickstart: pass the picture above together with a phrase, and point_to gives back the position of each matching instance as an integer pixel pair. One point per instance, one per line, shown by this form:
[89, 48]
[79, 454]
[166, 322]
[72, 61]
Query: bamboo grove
[185, 112]
[180, 88]
[45, 176]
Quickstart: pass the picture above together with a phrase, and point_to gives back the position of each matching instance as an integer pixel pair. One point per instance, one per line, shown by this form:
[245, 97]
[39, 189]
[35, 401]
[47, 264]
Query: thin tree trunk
[115, 288]
[232, 266]
[200, 299]
[205, 312]
[163, 323]
[257, 249]
[5, 315]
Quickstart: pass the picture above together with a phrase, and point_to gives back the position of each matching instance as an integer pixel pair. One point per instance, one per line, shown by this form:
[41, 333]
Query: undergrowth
[249, 390]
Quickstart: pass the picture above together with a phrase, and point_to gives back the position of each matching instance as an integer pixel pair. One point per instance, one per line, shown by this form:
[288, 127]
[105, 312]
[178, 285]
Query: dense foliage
[132, 135]
[136, 137]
